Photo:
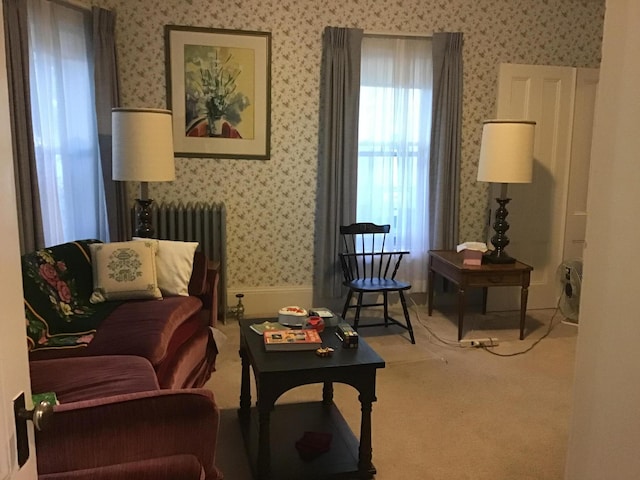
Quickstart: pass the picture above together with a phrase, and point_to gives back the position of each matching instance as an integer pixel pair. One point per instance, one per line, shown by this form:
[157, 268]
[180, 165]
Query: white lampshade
[506, 152]
[142, 145]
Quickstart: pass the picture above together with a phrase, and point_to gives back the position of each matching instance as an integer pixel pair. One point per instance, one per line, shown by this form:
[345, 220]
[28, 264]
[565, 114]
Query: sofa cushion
[88, 378]
[57, 284]
[144, 328]
[124, 271]
[174, 265]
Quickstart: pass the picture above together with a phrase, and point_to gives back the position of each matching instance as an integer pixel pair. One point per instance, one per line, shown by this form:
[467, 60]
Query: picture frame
[219, 92]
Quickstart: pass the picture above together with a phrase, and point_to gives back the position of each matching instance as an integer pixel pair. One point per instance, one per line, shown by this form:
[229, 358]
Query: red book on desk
[288, 340]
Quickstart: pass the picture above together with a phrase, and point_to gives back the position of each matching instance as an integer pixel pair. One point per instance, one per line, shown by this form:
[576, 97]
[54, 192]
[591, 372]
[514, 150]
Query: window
[394, 142]
[64, 123]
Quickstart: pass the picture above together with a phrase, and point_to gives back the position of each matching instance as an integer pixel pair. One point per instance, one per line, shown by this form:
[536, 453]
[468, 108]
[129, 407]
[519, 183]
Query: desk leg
[524, 294]
[461, 303]
[430, 292]
[484, 300]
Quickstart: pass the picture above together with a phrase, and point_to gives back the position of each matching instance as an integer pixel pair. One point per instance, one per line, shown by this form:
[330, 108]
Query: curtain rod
[372, 33]
[72, 4]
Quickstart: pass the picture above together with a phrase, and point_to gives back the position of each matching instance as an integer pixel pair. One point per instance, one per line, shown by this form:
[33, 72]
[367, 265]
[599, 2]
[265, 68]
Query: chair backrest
[364, 254]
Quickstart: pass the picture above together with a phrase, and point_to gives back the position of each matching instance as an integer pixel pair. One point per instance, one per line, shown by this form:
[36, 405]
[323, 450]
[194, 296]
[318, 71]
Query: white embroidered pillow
[174, 265]
[124, 271]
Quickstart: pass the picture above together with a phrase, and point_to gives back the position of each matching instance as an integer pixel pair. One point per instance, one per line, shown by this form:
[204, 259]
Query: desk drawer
[489, 279]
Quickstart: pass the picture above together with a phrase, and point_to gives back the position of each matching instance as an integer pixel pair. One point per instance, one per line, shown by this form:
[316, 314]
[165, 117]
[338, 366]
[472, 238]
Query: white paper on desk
[478, 246]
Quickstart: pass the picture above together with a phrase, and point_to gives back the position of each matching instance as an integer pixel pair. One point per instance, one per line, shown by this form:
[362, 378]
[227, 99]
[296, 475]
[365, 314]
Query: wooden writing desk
[448, 264]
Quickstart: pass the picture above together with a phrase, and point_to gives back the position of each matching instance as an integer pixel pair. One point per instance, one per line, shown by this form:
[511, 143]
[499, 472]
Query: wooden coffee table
[270, 431]
[448, 263]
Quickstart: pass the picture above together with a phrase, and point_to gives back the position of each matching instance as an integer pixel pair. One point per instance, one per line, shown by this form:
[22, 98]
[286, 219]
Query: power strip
[479, 342]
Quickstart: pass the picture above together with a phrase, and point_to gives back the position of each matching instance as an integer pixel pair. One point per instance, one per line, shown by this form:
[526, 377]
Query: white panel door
[576, 226]
[538, 211]
[14, 369]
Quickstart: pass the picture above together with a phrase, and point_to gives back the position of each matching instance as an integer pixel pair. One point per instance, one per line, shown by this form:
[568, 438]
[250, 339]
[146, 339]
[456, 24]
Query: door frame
[14, 365]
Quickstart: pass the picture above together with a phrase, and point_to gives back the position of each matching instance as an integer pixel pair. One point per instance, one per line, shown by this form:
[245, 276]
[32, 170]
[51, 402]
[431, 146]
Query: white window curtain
[64, 123]
[393, 145]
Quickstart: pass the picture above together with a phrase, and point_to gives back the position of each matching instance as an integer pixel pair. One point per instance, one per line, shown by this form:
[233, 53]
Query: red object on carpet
[313, 444]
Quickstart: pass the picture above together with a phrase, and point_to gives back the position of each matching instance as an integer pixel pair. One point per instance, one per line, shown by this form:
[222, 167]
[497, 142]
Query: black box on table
[347, 335]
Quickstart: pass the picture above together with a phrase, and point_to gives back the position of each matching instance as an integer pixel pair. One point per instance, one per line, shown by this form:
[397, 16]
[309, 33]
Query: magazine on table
[260, 328]
[291, 340]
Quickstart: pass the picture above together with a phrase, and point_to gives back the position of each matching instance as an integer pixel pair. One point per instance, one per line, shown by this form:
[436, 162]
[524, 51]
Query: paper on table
[321, 312]
[478, 246]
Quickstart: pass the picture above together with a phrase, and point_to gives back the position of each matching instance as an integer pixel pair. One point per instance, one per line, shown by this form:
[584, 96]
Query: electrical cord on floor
[456, 344]
[444, 341]
[530, 347]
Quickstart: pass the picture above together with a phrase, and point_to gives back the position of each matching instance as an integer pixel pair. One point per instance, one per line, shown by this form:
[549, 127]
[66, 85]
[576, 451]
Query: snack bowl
[292, 316]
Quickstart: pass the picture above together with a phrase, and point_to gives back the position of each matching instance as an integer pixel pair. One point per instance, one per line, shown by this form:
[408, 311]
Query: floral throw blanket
[58, 282]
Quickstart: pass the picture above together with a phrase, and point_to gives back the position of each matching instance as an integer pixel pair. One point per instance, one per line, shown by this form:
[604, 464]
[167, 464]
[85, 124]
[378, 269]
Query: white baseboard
[261, 302]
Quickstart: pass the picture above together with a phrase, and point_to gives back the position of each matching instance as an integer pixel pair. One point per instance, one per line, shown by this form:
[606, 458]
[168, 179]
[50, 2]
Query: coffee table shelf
[288, 424]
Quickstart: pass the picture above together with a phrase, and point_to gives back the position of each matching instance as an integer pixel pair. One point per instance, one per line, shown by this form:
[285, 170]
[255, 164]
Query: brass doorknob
[40, 415]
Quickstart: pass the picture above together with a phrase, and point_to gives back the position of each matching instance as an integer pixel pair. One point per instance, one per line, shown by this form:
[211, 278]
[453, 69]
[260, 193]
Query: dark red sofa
[174, 334]
[127, 374]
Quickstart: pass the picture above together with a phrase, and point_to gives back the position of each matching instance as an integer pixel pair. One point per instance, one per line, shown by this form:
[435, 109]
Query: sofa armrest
[204, 285]
[130, 428]
[211, 297]
[198, 280]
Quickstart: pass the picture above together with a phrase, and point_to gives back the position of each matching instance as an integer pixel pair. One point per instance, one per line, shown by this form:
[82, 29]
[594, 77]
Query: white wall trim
[266, 301]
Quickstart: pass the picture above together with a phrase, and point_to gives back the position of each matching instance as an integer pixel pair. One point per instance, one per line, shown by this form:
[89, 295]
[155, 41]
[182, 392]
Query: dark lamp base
[144, 228]
[500, 239]
[493, 256]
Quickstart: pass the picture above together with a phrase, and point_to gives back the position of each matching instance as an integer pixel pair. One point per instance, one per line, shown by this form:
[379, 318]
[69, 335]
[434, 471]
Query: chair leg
[406, 316]
[357, 318]
[346, 304]
[385, 306]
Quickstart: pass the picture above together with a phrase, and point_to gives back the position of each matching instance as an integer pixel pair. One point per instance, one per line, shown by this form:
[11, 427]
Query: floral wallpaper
[270, 204]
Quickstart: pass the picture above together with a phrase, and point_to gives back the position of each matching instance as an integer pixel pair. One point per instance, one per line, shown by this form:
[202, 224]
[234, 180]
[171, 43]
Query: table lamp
[143, 152]
[506, 156]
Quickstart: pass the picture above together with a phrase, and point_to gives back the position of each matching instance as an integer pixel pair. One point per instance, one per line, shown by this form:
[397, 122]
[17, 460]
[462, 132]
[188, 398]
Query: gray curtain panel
[107, 97]
[337, 157]
[30, 227]
[444, 169]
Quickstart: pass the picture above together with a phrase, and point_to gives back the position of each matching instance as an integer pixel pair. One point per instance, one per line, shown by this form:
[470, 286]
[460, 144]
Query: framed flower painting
[219, 91]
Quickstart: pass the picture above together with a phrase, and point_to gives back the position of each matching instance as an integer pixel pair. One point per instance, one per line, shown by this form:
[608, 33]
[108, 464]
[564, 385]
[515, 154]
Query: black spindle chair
[369, 269]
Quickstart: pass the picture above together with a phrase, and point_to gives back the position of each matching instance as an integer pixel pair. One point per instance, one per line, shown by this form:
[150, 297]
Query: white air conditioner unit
[569, 278]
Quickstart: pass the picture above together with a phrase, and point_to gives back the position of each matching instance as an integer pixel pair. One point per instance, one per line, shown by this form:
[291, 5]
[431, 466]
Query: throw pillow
[174, 265]
[124, 271]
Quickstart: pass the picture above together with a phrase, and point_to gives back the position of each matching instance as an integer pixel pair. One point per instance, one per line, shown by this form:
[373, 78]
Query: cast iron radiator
[200, 222]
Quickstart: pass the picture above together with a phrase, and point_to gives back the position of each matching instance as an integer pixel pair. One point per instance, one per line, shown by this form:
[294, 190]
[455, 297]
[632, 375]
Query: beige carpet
[444, 412]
